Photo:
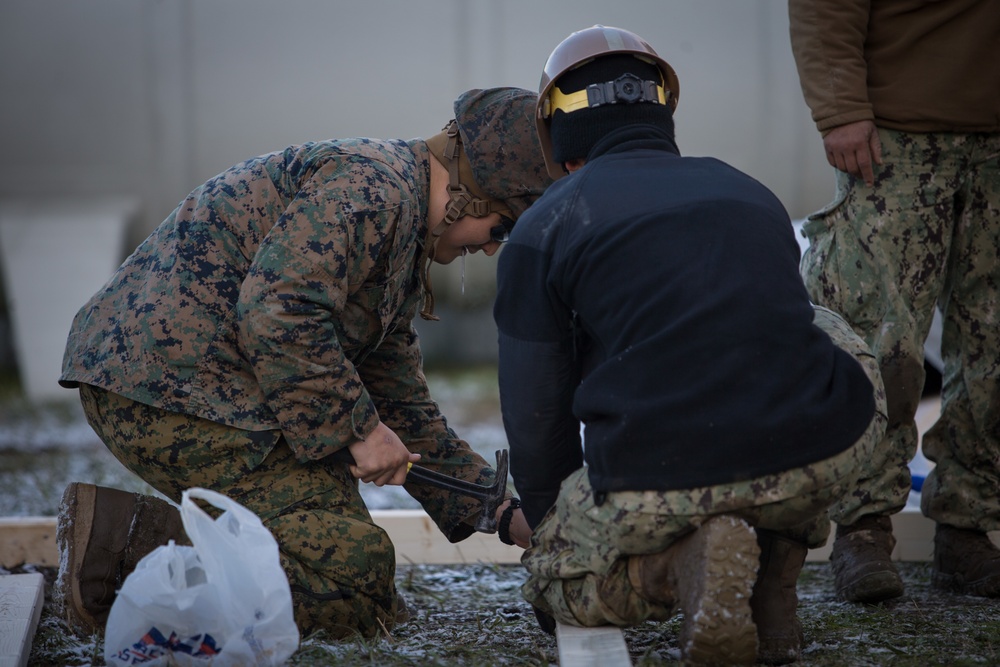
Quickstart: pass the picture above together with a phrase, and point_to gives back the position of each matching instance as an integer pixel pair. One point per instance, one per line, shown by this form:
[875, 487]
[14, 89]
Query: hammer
[491, 496]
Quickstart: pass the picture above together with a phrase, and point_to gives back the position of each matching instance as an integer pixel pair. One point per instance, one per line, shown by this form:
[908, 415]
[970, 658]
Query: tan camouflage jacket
[280, 295]
[909, 65]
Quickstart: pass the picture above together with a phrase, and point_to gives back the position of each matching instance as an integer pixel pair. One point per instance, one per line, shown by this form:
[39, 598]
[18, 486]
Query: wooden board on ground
[592, 647]
[21, 598]
[417, 540]
[28, 539]
[914, 538]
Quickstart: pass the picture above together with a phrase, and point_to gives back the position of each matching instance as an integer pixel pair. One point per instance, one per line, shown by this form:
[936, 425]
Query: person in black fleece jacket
[656, 300]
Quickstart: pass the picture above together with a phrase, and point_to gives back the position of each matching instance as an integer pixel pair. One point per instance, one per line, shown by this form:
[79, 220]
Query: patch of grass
[474, 615]
[924, 627]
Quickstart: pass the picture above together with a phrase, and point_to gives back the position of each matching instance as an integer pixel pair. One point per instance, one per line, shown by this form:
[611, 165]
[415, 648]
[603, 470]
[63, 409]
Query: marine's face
[467, 234]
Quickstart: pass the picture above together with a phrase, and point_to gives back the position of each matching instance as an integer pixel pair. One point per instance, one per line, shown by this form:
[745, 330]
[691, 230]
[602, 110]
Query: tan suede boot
[102, 534]
[966, 562]
[775, 599]
[862, 561]
[710, 573]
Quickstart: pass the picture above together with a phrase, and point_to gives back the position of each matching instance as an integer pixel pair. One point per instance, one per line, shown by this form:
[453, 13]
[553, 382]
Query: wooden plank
[21, 598]
[28, 540]
[592, 647]
[417, 540]
[914, 538]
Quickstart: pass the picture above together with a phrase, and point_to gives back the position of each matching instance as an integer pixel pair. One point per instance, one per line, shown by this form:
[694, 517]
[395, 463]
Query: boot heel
[714, 578]
[775, 599]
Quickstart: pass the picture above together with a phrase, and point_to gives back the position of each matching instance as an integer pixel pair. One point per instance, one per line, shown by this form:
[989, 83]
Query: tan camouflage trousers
[578, 557]
[340, 565]
[926, 234]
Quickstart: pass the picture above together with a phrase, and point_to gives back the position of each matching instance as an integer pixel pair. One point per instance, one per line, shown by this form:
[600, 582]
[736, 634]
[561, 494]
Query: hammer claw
[491, 496]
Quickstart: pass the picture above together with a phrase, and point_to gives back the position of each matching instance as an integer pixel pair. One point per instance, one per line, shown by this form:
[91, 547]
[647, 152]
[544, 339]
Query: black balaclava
[574, 134]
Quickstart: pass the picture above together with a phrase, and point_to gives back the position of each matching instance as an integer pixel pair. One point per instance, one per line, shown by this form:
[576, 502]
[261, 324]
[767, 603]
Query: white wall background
[152, 97]
[146, 99]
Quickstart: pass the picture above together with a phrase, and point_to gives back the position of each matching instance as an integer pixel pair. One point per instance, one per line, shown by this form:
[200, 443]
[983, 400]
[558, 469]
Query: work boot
[650, 576]
[102, 534]
[710, 573]
[862, 561]
[966, 562]
[775, 600]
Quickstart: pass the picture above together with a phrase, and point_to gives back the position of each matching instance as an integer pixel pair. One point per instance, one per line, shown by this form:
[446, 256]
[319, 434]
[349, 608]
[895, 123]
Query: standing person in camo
[264, 329]
[656, 299]
[907, 96]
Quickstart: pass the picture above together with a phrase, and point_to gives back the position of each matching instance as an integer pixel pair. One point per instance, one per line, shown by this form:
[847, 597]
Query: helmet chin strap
[463, 199]
[461, 202]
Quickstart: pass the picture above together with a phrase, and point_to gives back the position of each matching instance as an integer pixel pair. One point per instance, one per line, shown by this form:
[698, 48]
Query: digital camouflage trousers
[340, 565]
[926, 235]
[579, 552]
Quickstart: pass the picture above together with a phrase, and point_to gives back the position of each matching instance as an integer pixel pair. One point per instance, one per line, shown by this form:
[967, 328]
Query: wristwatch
[503, 529]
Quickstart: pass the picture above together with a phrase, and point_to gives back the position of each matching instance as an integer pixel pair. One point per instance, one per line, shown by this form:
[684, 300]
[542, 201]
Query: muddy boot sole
[715, 572]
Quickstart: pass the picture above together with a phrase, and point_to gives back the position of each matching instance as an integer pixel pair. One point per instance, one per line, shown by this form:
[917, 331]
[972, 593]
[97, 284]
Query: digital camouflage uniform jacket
[279, 295]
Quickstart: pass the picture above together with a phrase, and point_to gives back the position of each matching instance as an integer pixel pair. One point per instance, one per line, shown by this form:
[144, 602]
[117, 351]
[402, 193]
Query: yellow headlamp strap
[626, 89]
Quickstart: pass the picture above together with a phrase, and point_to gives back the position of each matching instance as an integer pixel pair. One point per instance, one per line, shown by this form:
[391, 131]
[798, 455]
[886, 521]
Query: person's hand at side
[854, 148]
[381, 458]
[519, 530]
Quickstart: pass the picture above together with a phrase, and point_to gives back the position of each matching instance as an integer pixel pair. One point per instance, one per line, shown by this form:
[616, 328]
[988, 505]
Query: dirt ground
[474, 615]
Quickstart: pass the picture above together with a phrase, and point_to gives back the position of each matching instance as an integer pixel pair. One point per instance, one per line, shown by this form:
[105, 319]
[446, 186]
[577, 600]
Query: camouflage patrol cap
[497, 126]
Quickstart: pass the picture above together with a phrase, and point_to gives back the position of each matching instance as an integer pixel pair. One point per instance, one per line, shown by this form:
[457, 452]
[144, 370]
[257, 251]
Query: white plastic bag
[224, 601]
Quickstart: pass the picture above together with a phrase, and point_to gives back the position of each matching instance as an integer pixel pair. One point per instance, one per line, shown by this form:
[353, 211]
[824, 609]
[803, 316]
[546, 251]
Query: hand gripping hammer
[491, 496]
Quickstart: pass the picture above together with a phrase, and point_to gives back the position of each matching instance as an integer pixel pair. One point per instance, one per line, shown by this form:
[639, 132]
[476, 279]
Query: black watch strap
[503, 529]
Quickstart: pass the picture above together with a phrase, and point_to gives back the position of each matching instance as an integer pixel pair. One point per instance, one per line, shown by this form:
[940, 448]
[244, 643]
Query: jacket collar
[632, 137]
